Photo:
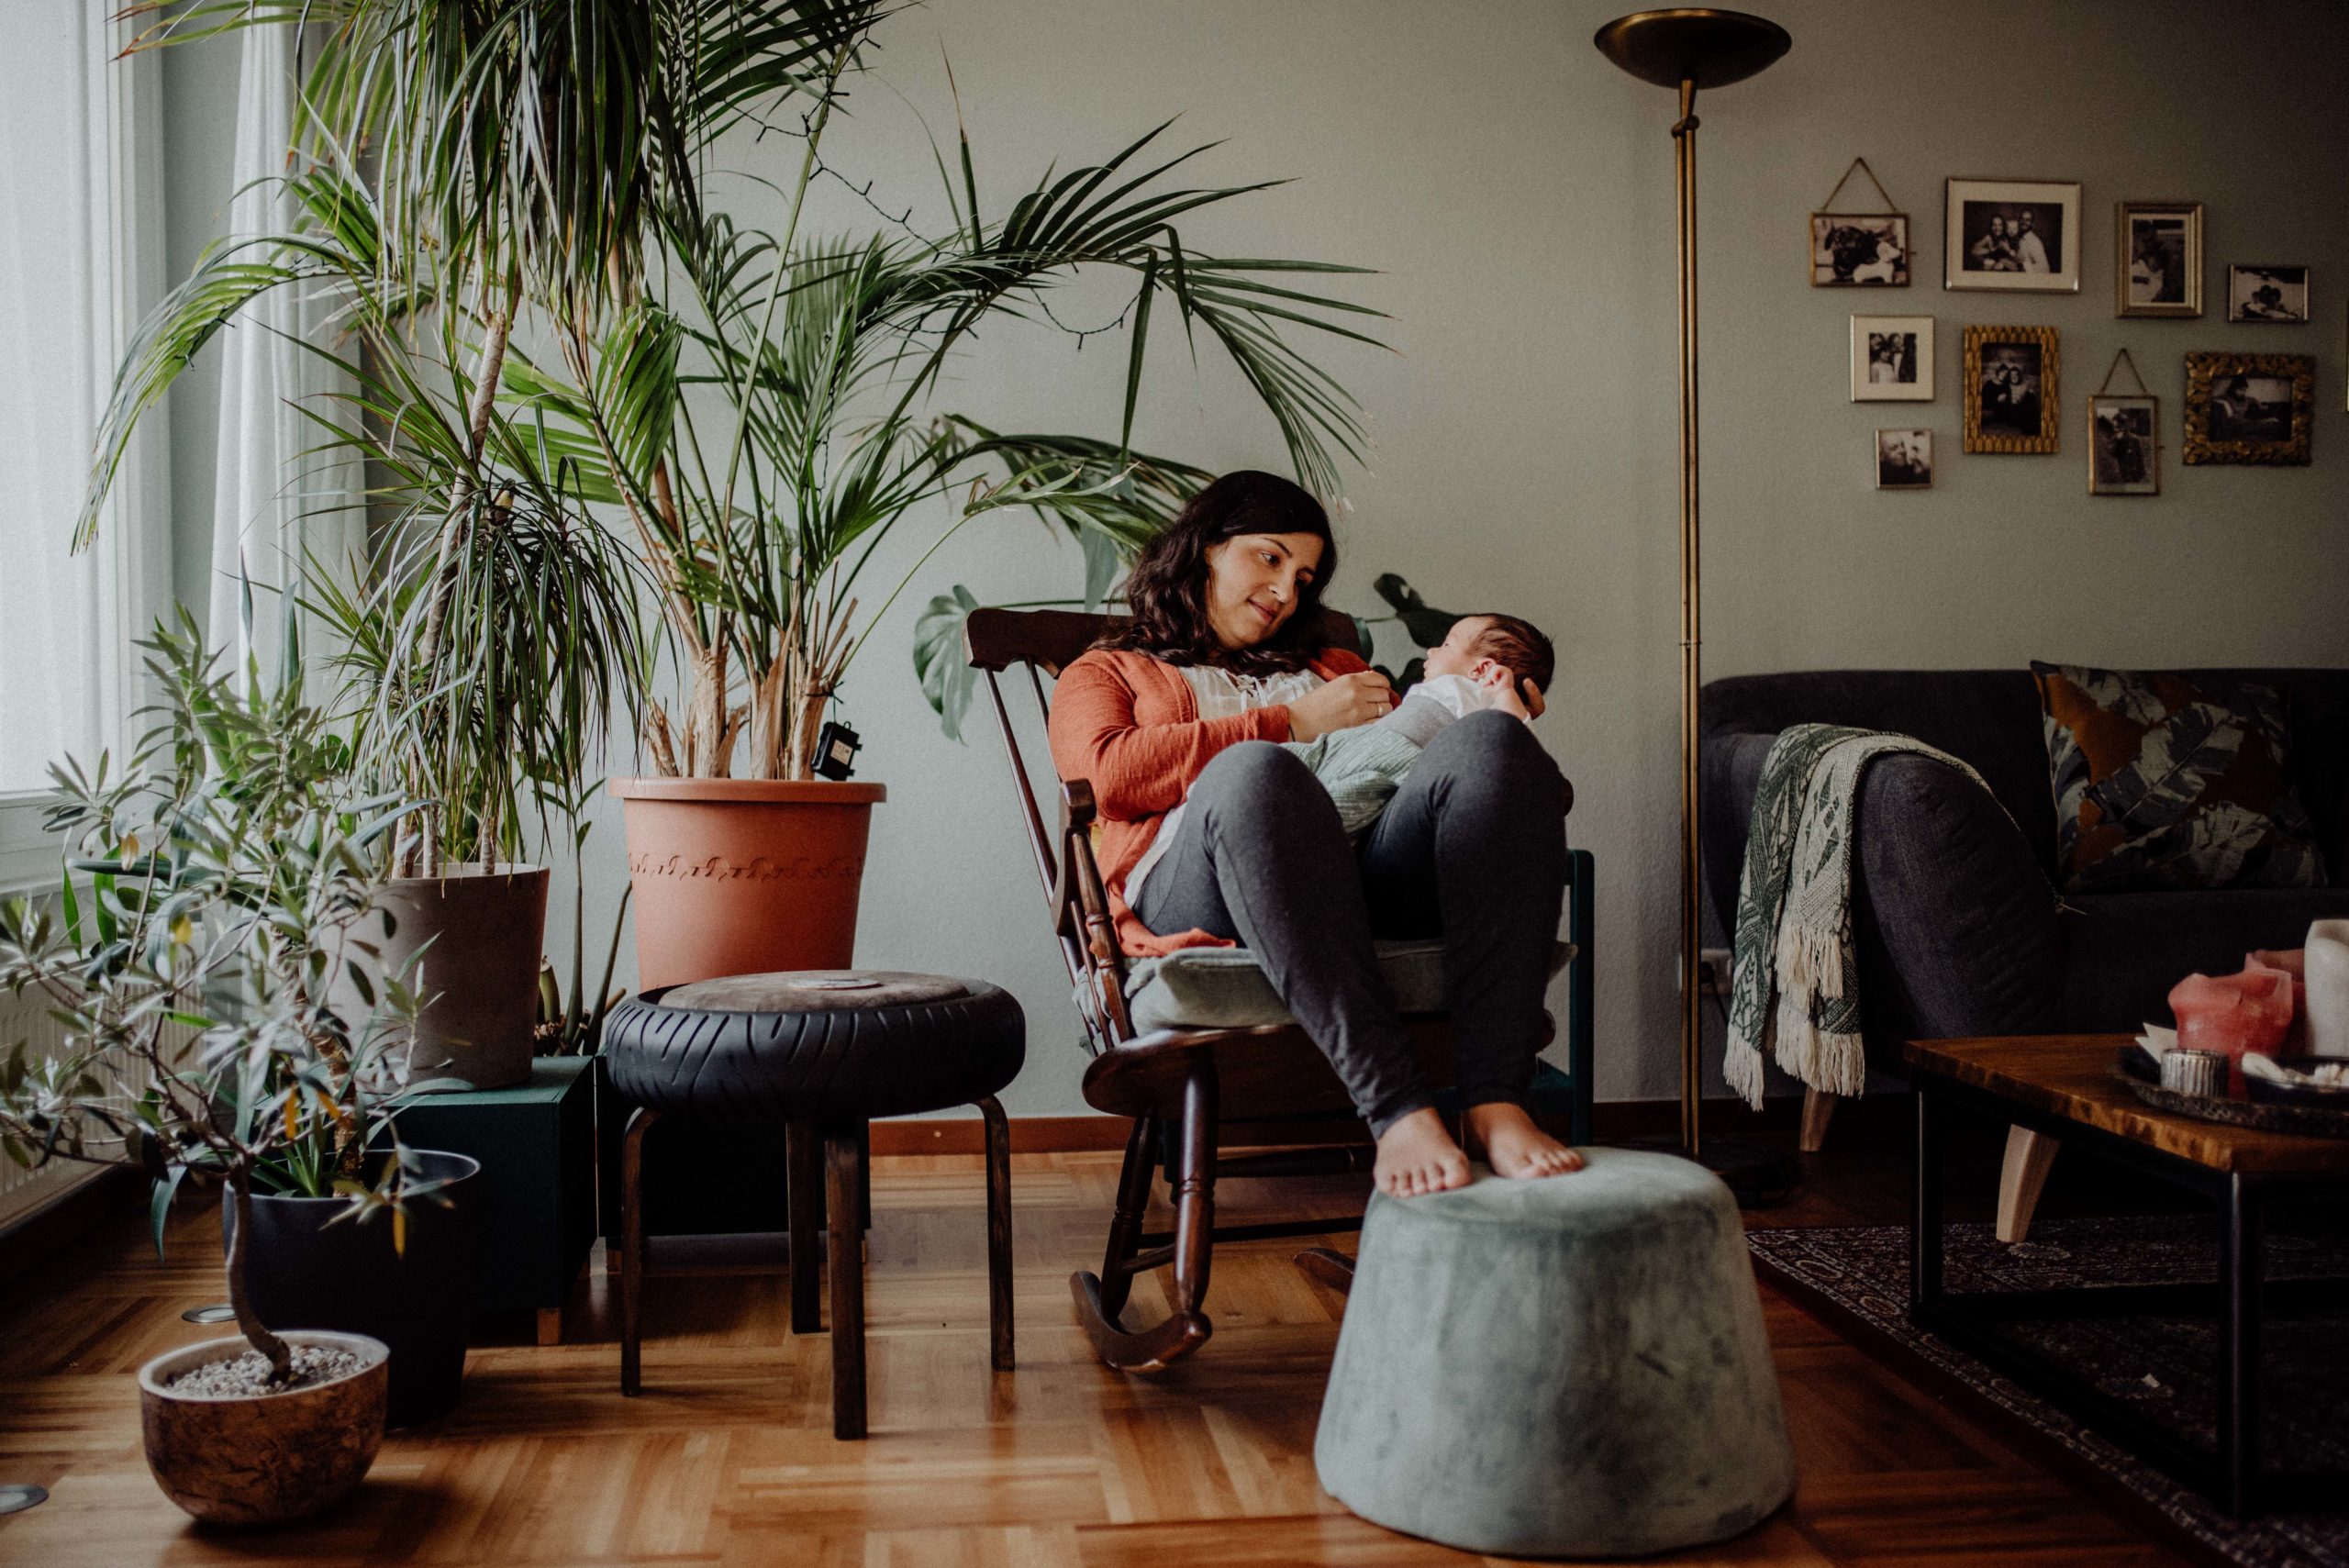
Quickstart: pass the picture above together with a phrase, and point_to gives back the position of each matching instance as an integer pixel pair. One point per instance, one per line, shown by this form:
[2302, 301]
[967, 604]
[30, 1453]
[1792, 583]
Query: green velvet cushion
[1223, 987]
[1574, 1367]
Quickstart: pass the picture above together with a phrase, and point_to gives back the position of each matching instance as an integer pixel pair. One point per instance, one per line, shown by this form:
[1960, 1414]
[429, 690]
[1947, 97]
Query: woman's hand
[1340, 704]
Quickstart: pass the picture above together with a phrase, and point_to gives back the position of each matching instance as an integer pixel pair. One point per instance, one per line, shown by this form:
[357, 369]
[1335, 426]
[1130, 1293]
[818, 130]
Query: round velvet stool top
[821, 1053]
[1568, 1367]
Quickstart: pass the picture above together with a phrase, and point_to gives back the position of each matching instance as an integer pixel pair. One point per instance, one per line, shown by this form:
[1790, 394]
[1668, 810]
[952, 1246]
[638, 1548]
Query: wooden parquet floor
[727, 1458]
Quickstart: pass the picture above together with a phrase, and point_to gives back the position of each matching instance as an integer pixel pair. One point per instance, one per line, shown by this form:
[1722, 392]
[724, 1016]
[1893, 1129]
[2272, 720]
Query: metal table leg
[2239, 1290]
[1925, 1229]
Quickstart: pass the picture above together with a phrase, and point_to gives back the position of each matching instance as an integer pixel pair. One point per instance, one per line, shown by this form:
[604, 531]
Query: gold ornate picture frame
[2009, 389]
[2249, 408]
[2157, 259]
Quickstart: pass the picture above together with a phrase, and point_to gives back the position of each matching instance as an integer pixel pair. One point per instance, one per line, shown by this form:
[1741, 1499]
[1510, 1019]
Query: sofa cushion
[2164, 782]
[2123, 951]
[1225, 988]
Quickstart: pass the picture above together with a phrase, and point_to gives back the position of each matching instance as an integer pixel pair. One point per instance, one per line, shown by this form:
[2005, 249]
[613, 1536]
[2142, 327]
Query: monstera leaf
[947, 679]
[1427, 625]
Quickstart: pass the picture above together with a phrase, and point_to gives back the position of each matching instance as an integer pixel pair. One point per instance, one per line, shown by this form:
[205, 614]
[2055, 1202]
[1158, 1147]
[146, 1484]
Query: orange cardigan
[1128, 724]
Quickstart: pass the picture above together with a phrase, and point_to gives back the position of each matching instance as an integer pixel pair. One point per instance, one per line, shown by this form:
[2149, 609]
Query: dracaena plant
[755, 412]
[192, 959]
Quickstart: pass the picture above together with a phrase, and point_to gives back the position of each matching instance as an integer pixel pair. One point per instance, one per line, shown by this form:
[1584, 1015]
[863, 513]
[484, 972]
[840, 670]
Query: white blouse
[1219, 694]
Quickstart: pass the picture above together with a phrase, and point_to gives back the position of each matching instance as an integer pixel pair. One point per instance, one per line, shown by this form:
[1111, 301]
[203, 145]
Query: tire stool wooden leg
[632, 1250]
[844, 1194]
[804, 1160]
[998, 1131]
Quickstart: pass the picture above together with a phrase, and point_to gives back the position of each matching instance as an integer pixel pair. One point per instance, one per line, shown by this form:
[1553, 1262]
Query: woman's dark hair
[1168, 589]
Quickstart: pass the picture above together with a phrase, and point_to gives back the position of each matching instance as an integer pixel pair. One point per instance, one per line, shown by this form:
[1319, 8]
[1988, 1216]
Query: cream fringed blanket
[1794, 912]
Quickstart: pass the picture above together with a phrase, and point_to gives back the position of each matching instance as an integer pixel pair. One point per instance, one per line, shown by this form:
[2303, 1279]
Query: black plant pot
[302, 1271]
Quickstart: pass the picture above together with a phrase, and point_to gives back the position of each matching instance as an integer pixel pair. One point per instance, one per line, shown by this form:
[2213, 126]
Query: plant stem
[279, 1355]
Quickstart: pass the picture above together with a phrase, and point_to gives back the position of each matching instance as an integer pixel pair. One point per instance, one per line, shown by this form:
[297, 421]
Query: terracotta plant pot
[481, 969]
[268, 1459]
[744, 876]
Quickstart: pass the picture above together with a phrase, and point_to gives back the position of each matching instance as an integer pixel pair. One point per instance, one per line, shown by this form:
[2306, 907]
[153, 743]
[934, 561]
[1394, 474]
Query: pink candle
[2232, 1014]
[2294, 962]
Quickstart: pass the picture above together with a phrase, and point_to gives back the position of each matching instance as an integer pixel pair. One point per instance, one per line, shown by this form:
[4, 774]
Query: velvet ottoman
[1567, 1367]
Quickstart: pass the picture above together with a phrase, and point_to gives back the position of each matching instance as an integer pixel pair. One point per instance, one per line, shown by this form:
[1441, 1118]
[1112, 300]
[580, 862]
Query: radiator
[26, 1017]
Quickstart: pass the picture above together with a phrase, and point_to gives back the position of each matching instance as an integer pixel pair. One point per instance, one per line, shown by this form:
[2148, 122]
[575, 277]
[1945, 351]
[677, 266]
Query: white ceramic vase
[2328, 983]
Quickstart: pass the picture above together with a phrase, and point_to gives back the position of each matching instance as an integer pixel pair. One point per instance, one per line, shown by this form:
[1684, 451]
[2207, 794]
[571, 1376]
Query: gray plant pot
[480, 938]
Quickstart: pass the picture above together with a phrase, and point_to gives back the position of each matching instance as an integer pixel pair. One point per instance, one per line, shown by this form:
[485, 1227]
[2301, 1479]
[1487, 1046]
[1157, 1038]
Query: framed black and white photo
[2124, 445]
[1904, 460]
[1892, 359]
[2268, 293]
[1859, 250]
[2249, 408]
[2009, 389]
[2157, 252]
[2018, 235]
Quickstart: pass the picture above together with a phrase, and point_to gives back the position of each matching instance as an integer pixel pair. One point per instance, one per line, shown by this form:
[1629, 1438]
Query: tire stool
[821, 1053]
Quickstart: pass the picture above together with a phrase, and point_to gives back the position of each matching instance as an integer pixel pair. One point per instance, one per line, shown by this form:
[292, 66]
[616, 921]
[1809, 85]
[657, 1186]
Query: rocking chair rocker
[1238, 1073]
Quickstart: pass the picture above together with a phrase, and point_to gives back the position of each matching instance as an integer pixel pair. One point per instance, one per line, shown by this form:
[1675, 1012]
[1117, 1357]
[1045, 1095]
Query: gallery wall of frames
[2237, 405]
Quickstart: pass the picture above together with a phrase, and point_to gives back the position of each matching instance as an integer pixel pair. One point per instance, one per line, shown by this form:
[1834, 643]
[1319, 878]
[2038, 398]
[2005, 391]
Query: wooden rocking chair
[1249, 1083]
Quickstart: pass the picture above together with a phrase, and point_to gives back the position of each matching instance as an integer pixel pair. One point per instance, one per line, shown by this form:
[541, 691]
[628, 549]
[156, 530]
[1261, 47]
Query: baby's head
[1476, 643]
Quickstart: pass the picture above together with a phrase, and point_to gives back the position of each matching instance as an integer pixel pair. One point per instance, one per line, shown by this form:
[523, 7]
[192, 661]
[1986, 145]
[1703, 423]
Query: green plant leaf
[948, 681]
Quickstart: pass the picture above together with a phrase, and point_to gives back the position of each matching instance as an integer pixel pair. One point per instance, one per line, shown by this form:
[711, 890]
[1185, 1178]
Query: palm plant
[753, 411]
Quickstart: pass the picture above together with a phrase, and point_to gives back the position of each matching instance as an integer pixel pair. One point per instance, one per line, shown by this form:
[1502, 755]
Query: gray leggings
[1473, 847]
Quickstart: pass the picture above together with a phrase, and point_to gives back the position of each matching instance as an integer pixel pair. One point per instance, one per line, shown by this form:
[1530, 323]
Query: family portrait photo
[2159, 247]
[2249, 408]
[1892, 359]
[2012, 234]
[1904, 460]
[1859, 250]
[2268, 294]
[2010, 389]
[2124, 451]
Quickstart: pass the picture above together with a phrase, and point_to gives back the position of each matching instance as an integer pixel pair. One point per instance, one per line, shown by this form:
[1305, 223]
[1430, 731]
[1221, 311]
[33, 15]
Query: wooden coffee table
[2062, 1085]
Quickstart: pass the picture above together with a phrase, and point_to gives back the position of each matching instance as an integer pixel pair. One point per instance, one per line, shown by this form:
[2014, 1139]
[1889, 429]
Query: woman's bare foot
[1417, 1155]
[1514, 1145]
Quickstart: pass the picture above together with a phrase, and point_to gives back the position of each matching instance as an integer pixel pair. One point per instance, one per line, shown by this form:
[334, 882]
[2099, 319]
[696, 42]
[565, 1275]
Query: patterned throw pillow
[2166, 783]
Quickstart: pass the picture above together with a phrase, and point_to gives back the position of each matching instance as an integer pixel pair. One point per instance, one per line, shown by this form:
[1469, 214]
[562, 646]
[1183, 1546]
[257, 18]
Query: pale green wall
[1515, 193]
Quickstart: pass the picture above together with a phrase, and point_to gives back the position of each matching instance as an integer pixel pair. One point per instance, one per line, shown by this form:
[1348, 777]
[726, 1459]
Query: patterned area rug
[2164, 1367]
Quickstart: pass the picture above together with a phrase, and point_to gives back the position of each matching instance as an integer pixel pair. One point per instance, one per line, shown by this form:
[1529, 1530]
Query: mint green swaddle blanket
[1362, 767]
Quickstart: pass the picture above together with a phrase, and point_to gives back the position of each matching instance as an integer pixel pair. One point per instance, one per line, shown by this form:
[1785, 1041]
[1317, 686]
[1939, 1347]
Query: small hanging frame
[2124, 436]
[1859, 250]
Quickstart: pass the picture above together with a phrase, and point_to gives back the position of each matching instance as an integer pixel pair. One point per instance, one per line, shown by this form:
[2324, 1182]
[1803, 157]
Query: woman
[1212, 835]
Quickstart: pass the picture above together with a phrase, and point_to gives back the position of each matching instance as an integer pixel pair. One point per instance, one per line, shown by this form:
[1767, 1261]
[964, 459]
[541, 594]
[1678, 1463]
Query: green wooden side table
[536, 1142]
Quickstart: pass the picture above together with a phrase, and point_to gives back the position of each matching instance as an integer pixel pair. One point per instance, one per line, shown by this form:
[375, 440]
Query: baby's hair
[1520, 645]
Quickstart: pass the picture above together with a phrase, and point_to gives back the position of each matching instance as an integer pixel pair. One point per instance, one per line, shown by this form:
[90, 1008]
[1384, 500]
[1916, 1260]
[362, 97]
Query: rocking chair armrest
[1078, 807]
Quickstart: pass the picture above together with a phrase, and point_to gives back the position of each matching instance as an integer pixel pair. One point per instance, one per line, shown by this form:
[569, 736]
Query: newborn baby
[1477, 665]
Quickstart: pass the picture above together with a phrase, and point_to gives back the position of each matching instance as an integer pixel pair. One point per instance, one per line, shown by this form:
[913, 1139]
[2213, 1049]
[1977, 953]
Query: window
[80, 259]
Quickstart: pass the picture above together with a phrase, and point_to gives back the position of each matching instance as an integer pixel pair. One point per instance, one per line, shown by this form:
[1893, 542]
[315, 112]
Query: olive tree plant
[190, 958]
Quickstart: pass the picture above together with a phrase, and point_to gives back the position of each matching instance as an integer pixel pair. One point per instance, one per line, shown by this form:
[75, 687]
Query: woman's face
[1253, 584]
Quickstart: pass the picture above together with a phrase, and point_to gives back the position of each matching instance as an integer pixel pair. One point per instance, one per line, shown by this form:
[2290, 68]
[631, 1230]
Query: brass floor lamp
[1688, 49]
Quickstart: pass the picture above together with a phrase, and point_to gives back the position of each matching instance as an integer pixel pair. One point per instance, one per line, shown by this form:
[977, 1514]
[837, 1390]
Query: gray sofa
[1959, 929]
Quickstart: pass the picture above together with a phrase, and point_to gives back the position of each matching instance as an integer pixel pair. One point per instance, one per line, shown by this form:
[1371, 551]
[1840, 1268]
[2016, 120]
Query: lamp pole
[1686, 48]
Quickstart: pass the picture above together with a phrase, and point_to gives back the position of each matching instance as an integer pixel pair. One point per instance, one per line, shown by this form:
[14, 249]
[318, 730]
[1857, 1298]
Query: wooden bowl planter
[269, 1458]
[480, 968]
[744, 876]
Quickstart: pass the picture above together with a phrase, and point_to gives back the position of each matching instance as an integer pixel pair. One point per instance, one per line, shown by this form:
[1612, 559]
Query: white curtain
[81, 241]
[274, 511]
